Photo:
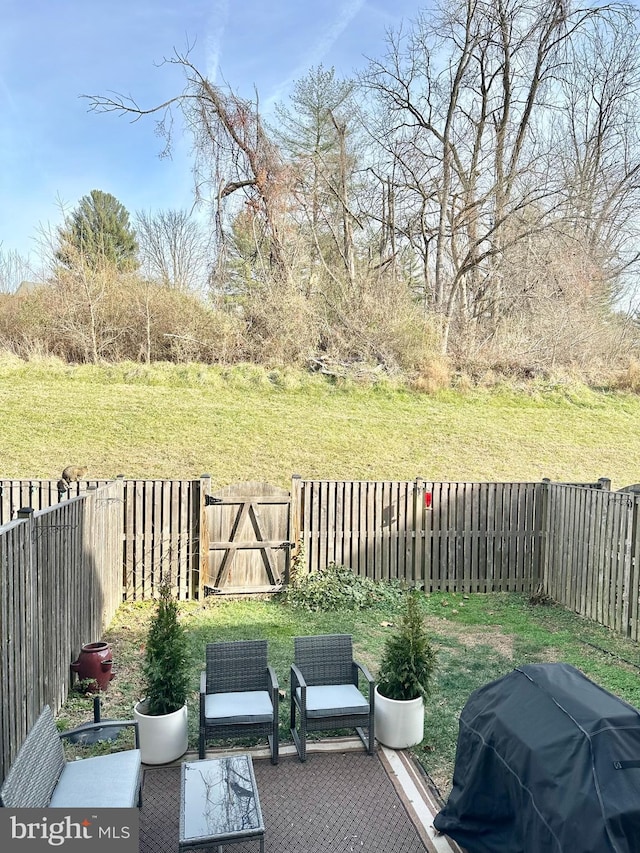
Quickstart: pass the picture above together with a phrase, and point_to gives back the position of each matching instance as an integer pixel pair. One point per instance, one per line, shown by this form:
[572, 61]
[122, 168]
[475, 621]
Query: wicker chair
[239, 694]
[324, 690]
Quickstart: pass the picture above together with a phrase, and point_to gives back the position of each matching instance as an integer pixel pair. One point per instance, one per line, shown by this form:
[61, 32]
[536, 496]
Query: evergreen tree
[316, 132]
[409, 659]
[98, 233]
[166, 663]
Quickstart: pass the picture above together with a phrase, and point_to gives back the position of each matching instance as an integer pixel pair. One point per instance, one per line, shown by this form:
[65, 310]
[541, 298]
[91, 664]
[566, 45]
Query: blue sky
[53, 150]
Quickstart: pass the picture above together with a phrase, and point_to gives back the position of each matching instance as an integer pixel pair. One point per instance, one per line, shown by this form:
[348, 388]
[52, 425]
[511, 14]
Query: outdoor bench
[41, 777]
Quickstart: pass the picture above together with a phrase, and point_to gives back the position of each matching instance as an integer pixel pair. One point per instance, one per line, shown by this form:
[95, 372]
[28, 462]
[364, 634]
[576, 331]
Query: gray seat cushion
[250, 706]
[335, 700]
[111, 781]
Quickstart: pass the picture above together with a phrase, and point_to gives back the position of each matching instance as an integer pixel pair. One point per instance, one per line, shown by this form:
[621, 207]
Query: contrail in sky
[215, 33]
[318, 51]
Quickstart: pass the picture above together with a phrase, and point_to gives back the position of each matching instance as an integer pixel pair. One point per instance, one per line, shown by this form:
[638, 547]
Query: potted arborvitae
[162, 714]
[404, 680]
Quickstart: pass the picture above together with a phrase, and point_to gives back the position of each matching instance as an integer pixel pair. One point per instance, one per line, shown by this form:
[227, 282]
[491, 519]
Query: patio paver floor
[339, 801]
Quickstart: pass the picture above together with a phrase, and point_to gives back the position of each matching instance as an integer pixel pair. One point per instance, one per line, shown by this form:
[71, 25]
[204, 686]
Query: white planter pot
[164, 738]
[399, 724]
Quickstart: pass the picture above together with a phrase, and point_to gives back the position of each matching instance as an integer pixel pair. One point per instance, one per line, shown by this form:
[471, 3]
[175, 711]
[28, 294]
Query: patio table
[219, 803]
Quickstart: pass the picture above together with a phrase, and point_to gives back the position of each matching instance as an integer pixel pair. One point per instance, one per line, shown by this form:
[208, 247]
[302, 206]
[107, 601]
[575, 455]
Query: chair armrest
[104, 724]
[297, 680]
[275, 688]
[273, 678]
[370, 680]
[203, 693]
[297, 677]
[363, 669]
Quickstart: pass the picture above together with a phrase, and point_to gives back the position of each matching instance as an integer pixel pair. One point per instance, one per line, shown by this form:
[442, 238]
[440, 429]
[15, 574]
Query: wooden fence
[469, 537]
[592, 555]
[60, 585]
[161, 521]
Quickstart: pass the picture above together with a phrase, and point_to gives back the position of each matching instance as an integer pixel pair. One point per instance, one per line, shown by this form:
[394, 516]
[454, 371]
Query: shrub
[629, 379]
[381, 326]
[166, 664]
[281, 325]
[338, 588]
[409, 659]
[433, 375]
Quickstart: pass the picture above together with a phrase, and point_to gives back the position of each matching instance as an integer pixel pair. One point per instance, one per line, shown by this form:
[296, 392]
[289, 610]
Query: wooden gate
[249, 531]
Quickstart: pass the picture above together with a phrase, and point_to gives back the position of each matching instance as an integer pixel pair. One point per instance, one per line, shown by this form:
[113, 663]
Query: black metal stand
[94, 735]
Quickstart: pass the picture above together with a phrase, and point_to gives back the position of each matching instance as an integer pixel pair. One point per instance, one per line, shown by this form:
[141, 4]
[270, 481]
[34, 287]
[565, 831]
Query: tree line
[467, 201]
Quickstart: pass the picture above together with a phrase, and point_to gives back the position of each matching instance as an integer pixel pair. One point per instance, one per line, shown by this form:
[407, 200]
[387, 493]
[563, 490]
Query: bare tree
[14, 270]
[173, 249]
[233, 152]
[598, 140]
[467, 101]
[91, 315]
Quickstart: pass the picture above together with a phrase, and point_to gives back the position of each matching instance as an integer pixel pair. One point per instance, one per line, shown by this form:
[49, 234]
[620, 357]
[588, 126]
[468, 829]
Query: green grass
[249, 423]
[478, 638]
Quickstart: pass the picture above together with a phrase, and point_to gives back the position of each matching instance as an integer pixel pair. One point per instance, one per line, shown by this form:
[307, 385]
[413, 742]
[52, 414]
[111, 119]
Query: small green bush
[338, 588]
[166, 665]
[409, 659]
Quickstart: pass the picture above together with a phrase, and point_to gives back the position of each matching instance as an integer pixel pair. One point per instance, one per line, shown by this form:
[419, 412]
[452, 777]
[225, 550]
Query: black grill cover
[546, 761]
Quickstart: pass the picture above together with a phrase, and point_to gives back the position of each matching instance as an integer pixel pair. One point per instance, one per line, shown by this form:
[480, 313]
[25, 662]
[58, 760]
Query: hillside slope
[246, 423]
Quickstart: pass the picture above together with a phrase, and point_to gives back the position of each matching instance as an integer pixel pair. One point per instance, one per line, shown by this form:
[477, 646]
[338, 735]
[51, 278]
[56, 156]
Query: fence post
[604, 483]
[201, 561]
[32, 635]
[89, 562]
[296, 501]
[633, 630]
[121, 497]
[543, 553]
[419, 568]
[128, 538]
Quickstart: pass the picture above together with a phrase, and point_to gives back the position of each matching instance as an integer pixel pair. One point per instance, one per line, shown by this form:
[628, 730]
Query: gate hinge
[209, 500]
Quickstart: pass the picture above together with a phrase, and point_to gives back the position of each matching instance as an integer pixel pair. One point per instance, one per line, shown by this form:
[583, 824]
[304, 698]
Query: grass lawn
[248, 423]
[478, 638]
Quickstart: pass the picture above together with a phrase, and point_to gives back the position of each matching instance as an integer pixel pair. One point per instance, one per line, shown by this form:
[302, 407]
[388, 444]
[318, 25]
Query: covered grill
[546, 761]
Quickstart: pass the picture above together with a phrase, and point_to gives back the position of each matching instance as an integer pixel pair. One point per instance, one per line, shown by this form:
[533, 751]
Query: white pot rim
[417, 700]
[141, 709]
